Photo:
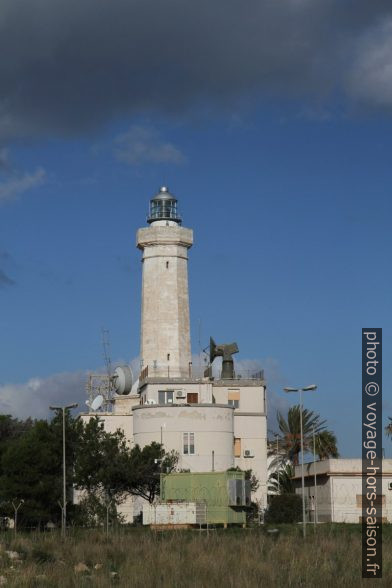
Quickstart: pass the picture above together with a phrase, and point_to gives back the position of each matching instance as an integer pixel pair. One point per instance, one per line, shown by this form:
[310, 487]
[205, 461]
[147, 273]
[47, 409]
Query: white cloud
[142, 145]
[370, 80]
[14, 186]
[32, 398]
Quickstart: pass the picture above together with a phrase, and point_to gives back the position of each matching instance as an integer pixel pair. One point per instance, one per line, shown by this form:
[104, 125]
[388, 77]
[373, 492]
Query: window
[167, 265]
[192, 398]
[237, 447]
[165, 396]
[188, 443]
[378, 501]
[234, 398]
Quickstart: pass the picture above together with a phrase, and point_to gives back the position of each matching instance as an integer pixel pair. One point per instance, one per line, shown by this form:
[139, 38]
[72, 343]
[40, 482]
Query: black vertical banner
[372, 497]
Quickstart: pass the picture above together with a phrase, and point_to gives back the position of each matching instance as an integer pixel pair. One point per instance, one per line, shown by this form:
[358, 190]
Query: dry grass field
[231, 558]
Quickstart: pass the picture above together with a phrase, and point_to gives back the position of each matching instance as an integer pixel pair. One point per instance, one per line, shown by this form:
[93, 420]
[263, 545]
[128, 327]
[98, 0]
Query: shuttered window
[237, 447]
[234, 398]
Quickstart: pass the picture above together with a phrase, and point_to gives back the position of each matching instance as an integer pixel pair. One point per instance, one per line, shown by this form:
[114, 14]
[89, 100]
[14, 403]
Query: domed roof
[163, 207]
[164, 194]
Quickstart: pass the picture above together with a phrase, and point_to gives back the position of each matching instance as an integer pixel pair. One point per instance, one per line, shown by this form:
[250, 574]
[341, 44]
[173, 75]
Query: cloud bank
[70, 67]
[141, 144]
[15, 185]
[32, 398]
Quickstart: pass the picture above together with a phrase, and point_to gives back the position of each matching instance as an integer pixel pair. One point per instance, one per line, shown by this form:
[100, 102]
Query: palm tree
[326, 445]
[388, 428]
[284, 483]
[290, 434]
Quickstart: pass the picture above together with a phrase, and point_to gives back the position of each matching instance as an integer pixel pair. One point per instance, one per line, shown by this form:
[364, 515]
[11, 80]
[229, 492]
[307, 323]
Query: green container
[216, 489]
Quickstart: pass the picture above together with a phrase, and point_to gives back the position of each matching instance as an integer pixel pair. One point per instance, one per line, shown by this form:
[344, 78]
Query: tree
[326, 445]
[102, 462]
[281, 480]
[31, 466]
[107, 470]
[285, 508]
[388, 428]
[290, 435]
[10, 429]
[145, 467]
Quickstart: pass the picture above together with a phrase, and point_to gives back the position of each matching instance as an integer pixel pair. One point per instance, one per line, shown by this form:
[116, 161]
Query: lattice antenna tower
[106, 351]
[101, 387]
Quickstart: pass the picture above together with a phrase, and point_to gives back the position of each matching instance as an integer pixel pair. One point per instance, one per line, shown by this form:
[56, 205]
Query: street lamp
[64, 509]
[300, 390]
[277, 459]
[315, 478]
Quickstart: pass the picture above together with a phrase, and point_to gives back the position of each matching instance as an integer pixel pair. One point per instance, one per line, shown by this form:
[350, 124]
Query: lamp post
[300, 390]
[277, 459]
[64, 509]
[315, 477]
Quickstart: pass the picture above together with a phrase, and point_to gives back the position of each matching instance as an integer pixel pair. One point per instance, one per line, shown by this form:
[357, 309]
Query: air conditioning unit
[389, 485]
[180, 394]
[249, 453]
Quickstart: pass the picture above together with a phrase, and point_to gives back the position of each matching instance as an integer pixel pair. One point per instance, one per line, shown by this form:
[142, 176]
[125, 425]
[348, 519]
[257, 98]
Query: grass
[137, 557]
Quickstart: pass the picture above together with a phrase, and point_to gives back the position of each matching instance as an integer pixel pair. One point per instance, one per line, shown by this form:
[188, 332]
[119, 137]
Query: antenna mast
[106, 351]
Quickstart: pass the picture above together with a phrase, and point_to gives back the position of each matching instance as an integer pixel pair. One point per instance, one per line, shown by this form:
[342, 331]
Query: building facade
[214, 424]
[335, 495]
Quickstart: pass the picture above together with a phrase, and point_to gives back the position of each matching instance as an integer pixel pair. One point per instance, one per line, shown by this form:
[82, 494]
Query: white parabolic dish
[97, 402]
[123, 379]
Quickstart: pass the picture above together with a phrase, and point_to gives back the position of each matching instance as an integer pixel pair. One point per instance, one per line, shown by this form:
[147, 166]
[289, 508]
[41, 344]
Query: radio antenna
[106, 351]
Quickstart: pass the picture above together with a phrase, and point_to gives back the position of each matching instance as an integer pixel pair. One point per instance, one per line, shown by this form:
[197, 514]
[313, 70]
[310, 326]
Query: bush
[284, 508]
[41, 555]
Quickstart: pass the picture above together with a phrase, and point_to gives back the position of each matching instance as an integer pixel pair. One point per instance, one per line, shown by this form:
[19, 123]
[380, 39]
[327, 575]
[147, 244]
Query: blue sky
[286, 185]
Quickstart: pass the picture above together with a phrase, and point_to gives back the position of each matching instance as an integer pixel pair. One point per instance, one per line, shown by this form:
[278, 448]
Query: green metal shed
[226, 494]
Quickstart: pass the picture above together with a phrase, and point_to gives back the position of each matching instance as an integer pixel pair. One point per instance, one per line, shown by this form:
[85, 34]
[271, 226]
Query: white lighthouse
[165, 347]
[212, 422]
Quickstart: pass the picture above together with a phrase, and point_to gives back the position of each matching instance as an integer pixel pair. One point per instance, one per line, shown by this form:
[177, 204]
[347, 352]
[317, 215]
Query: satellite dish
[97, 402]
[88, 403]
[122, 379]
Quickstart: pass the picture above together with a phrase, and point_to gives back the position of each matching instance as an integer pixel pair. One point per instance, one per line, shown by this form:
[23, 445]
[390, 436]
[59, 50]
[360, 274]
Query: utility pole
[300, 390]
[315, 478]
[64, 508]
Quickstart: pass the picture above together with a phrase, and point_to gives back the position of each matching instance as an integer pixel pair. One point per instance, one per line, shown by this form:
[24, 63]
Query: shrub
[284, 508]
[41, 555]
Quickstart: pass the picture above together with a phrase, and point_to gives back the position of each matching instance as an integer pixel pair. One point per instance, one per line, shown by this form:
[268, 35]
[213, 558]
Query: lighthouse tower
[165, 347]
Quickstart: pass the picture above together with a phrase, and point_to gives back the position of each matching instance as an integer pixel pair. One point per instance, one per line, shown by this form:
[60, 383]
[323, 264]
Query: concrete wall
[212, 426]
[339, 489]
[180, 388]
[250, 427]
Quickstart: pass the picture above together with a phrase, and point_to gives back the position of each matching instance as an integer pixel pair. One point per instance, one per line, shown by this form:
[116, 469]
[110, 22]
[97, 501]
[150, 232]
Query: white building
[339, 490]
[212, 423]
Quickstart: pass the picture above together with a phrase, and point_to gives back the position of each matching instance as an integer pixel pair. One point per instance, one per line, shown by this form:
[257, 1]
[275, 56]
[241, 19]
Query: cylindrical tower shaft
[165, 330]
